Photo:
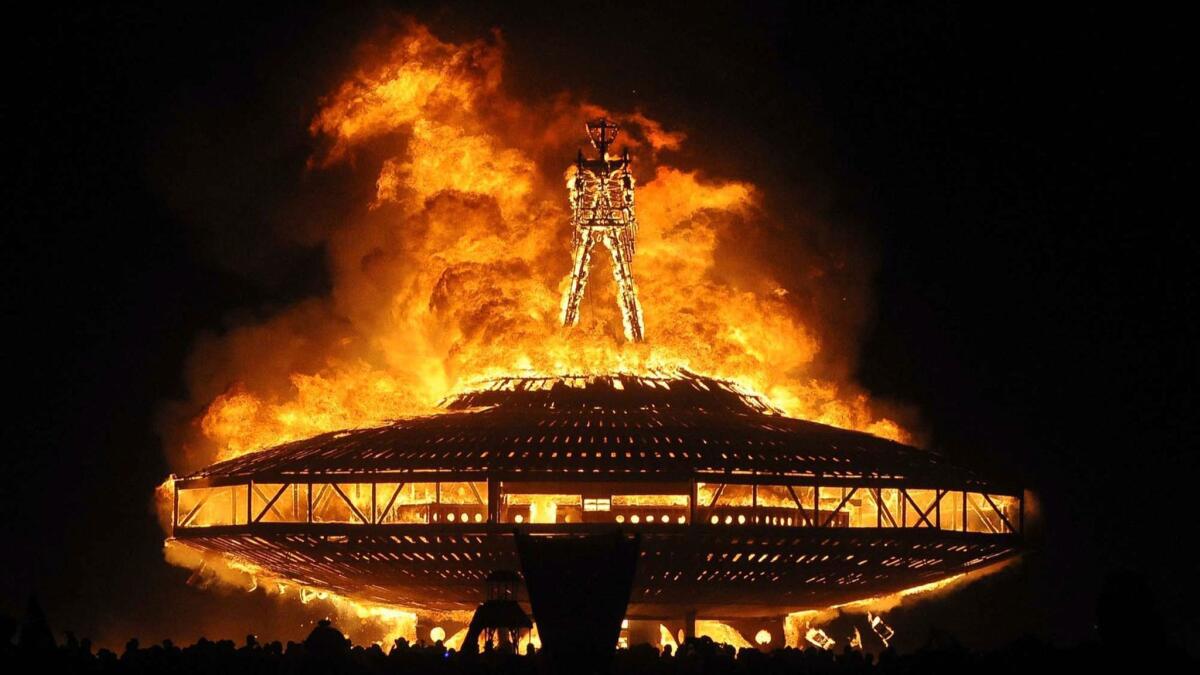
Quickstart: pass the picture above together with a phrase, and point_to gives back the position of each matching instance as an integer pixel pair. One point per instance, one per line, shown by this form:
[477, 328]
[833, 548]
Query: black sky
[1018, 178]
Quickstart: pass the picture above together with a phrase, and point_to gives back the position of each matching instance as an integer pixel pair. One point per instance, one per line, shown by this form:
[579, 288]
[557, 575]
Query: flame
[884, 603]
[796, 623]
[548, 513]
[721, 632]
[453, 269]
[455, 641]
[531, 638]
[665, 639]
[856, 640]
[363, 618]
[674, 501]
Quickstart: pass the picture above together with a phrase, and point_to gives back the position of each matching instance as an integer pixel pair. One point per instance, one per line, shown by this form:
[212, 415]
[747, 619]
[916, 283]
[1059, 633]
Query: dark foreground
[327, 651]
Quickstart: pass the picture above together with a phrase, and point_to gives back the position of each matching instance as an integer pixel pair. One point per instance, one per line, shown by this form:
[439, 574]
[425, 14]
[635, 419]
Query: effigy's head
[602, 132]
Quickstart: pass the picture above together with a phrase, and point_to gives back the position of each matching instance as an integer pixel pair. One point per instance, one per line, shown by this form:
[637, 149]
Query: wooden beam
[922, 516]
[475, 490]
[493, 500]
[981, 516]
[349, 503]
[693, 496]
[716, 495]
[391, 501]
[196, 509]
[999, 512]
[845, 499]
[270, 502]
[803, 514]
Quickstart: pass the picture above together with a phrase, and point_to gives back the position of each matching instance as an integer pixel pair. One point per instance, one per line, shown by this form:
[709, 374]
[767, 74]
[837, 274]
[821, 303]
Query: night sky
[1016, 181]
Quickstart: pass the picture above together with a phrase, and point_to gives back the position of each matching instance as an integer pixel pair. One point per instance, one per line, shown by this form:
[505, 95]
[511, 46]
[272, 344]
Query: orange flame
[453, 269]
[798, 625]
[359, 618]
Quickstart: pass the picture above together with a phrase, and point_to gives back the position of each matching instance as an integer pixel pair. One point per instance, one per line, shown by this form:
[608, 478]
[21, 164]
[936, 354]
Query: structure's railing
[700, 503]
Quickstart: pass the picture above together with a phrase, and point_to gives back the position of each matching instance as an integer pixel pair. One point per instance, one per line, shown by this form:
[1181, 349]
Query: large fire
[453, 267]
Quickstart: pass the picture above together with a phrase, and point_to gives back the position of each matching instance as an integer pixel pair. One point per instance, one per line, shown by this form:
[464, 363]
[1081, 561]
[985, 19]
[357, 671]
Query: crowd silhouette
[30, 646]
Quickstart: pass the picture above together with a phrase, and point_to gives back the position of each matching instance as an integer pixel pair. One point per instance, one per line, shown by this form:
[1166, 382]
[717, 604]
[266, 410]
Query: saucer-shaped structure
[742, 511]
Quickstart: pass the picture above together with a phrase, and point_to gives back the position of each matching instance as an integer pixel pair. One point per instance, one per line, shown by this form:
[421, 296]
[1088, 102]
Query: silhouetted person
[328, 652]
[325, 641]
[888, 656]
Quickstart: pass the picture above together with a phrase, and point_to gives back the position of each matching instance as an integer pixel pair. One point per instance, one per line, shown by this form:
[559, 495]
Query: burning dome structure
[743, 512]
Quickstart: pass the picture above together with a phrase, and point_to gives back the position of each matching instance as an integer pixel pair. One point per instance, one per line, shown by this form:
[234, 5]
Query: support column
[689, 624]
[691, 503]
[493, 505]
[1021, 515]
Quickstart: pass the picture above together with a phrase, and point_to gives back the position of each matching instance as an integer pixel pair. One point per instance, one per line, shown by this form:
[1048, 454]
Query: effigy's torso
[601, 194]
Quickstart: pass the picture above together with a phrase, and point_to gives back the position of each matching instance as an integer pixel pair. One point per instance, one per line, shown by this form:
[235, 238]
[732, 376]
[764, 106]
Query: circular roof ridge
[597, 427]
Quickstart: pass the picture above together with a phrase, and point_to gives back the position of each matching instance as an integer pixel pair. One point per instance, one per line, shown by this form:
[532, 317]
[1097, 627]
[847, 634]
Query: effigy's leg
[631, 309]
[585, 242]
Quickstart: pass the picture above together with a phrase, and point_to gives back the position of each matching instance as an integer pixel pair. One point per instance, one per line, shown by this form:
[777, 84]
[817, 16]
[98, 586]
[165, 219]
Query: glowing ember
[856, 639]
[818, 638]
[881, 629]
